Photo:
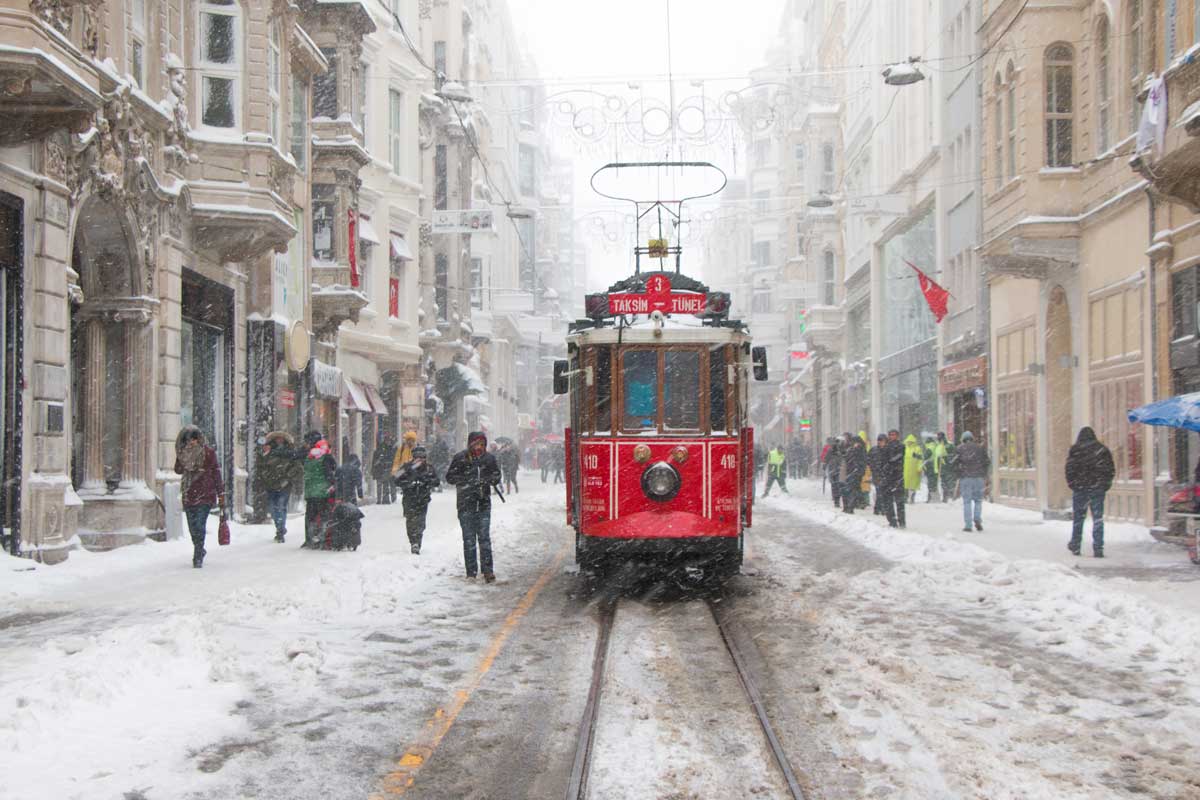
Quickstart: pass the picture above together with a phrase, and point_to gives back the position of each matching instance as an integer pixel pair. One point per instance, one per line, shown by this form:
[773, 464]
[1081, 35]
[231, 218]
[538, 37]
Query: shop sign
[464, 221]
[965, 375]
[296, 346]
[658, 297]
[327, 380]
[287, 398]
[806, 424]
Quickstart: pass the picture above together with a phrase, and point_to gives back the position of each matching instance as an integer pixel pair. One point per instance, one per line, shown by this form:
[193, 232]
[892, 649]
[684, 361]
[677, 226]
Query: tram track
[733, 638]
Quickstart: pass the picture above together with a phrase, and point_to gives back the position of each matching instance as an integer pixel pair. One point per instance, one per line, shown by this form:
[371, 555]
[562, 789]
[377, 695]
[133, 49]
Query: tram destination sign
[657, 297]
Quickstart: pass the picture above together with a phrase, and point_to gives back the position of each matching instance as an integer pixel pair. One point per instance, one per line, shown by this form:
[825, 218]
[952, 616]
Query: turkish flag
[935, 295]
[353, 249]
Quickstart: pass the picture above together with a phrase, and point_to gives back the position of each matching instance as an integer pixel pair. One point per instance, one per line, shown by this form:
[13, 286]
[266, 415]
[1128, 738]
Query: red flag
[935, 295]
[352, 226]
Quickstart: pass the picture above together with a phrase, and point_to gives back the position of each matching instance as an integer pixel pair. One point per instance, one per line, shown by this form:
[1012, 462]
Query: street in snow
[926, 663]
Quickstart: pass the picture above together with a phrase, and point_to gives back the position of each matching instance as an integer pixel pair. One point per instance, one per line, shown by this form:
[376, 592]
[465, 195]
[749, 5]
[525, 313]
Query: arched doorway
[1060, 397]
[109, 359]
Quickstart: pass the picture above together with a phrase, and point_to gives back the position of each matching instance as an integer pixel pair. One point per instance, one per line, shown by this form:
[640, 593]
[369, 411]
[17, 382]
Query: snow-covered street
[926, 663]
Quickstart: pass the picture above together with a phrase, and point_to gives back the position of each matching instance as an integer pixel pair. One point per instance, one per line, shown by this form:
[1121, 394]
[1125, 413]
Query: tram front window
[640, 390]
[681, 390]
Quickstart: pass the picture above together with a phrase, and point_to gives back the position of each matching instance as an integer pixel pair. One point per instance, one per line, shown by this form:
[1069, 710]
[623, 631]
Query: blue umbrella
[1182, 411]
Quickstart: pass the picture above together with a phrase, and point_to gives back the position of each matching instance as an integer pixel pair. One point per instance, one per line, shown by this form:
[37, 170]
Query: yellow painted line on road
[399, 780]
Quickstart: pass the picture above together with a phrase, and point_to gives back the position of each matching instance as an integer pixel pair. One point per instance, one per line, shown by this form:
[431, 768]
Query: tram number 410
[591, 461]
[729, 461]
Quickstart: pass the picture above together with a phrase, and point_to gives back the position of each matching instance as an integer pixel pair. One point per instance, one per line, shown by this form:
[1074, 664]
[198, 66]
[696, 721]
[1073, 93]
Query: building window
[761, 302]
[220, 62]
[1017, 425]
[361, 117]
[527, 170]
[440, 188]
[299, 135]
[1137, 34]
[1195, 21]
[274, 85]
[527, 115]
[762, 151]
[477, 283]
[441, 285]
[760, 254]
[395, 128]
[1104, 87]
[801, 155]
[325, 87]
[1059, 106]
[439, 63]
[998, 144]
[137, 42]
[761, 200]
[395, 278]
[1011, 90]
[827, 170]
[829, 295]
[800, 242]
[1170, 10]
[324, 213]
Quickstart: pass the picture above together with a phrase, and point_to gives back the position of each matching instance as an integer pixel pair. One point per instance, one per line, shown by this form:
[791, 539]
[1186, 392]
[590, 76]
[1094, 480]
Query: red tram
[659, 451]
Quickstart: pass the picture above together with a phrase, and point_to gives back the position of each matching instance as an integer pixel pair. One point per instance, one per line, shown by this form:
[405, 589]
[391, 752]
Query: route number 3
[729, 461]
[656, 285]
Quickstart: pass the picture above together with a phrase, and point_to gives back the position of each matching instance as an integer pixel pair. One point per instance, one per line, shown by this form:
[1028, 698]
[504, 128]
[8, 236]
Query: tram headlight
[661, 482]
[641, 453]
[679, 454]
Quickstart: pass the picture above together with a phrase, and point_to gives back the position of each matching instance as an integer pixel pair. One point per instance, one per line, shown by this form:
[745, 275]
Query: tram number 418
[591, 461]
[729, 461]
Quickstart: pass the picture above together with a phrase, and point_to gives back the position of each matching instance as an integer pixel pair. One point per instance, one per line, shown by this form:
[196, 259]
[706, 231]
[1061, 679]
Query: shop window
[1017, 428]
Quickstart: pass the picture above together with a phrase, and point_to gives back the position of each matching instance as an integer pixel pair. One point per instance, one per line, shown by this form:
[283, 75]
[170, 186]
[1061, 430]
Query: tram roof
[675, 330]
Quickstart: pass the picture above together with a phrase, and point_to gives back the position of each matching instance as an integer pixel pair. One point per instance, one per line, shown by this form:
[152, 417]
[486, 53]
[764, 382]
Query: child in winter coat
[417, 480]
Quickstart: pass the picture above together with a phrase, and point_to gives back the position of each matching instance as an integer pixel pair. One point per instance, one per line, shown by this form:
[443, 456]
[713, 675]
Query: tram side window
[603, 390]
[716, 387]
[681, 390]
[640, 390]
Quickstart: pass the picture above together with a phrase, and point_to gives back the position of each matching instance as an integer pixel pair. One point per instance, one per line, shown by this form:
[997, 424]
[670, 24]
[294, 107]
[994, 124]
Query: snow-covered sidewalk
[1134, 561]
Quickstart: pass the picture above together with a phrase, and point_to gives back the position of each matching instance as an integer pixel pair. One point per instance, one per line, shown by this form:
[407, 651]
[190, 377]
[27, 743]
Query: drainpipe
[1154, 355]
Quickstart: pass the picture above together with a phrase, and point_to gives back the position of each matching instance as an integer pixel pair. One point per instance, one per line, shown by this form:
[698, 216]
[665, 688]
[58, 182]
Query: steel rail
[577, 788]
[756, 702]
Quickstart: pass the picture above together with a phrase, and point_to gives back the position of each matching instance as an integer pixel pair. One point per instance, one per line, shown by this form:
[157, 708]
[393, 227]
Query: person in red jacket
[202, 485]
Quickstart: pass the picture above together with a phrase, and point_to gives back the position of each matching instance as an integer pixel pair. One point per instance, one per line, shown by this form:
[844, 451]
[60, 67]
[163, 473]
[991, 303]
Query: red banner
[658, 297]
[394, 298]
[935, 295]
[353, 243]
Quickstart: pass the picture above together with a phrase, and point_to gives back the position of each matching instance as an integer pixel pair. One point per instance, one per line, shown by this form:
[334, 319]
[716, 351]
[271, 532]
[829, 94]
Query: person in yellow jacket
[865, 484]
[776, 470]
[404, 451]
[914, 458]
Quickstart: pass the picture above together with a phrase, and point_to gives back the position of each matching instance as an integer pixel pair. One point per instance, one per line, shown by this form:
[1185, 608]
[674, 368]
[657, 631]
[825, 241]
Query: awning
[375, 399]
[366, 232]
[326, 380]
[354, 398]
[400, 248]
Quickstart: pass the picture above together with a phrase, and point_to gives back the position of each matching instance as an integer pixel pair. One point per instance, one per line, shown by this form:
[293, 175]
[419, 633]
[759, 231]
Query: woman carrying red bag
[202, 485]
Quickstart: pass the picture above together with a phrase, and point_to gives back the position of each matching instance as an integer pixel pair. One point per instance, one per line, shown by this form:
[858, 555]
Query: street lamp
[822, 200]
[903, 74]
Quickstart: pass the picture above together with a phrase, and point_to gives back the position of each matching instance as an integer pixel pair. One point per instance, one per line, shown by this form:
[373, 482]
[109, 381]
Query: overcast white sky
[603, 46]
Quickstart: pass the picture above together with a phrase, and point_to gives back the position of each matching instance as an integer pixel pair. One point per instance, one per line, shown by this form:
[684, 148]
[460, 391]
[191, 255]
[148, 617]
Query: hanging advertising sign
[657, 297]
[472, 220]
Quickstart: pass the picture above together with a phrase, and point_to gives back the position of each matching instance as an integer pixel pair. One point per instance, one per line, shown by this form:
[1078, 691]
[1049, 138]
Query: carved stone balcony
[825, 327]
[1175, 173]
[334, 301]
[45, 83]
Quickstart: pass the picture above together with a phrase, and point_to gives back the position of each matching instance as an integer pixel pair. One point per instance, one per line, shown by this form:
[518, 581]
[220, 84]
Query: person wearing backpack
[417, 479]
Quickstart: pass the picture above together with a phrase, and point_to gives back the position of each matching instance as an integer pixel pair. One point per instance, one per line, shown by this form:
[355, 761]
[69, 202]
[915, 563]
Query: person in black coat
[381, 470]
[892, 483]
[833, 468]
[349, 479]
[855, 457]
[876, 461]
[417, 479]
[1090, 472]
[510, 461]
[474, 472]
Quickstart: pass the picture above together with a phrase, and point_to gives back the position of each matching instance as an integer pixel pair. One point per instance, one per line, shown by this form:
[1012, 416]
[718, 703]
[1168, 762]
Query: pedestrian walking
[877, 470]
[914, 458]
[439, 457]
[776, 470]
[894, 464]
[805, 460]
[864, 486]
[417, 479]
[1090, 471]
[280, 474]
[949, 471]
[833, 468]
[510, 462]
[320, 469]
[474, 472]
[544, 459]
[760, 461]
[348, 478]
[381, 470]
[404, 452]
[933, 467]
[558, 457]
[973, 467]
[202, 486]
[854, 465]
[793, 458]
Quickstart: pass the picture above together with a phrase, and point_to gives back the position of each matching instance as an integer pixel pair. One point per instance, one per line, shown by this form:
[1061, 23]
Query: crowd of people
[893, 471]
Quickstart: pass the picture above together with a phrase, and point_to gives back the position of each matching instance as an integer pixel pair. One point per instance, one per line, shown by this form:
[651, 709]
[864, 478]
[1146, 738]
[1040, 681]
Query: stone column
[93, 404]
[137, 408]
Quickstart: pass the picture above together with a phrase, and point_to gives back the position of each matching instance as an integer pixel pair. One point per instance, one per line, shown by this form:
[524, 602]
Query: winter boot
[416, 549]
[489, 577]
[1098, 553]
[1074, 550]
[979, 526]
[966, 528]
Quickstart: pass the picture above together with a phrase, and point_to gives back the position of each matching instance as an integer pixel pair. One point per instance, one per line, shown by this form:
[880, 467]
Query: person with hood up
[404, 451]
[320, 468]
[933, 467]
[381, 470]
[417, 480]
[277, 469]
[914, 458]
[202, 485]
[1090, 472]
[973, 467]
[833, 468]
[510, 461]
[854, 464]
[949, 468]
[349, 477]
[473, 472]
[439, 457]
